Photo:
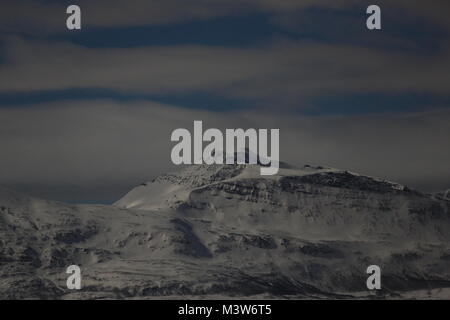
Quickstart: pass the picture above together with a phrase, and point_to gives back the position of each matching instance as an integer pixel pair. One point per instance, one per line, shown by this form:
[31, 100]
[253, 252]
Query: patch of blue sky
[347, 26]
[333, 26]
[244, 30]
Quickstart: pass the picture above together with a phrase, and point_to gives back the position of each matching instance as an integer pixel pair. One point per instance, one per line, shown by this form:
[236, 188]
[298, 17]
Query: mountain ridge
[225, 231]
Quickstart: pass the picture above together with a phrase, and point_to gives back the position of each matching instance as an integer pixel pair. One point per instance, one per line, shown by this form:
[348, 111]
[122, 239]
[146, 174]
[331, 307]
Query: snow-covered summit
[174, 188]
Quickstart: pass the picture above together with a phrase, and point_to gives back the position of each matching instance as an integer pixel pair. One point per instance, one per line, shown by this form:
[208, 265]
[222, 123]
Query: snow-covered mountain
[224, 230]
[311, 202]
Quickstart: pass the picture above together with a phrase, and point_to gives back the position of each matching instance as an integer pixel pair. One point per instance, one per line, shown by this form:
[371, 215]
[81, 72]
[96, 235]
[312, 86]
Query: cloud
[97, 150]
[48, 17]
[280, 72]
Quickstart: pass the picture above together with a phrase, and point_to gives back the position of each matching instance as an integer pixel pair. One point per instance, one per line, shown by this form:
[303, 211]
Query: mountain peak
[174, 189]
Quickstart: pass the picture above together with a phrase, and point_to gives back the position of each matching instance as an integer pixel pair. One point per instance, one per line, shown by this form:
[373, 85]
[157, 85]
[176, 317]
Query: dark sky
[86, 115]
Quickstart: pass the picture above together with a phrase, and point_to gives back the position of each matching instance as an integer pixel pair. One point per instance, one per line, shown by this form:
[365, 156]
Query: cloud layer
[46, 17]
[80, 149]
[106, 147]
[278, 72]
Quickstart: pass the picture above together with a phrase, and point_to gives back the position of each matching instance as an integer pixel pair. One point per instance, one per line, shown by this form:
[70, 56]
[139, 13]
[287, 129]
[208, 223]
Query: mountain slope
[320, 203]
[223, 230]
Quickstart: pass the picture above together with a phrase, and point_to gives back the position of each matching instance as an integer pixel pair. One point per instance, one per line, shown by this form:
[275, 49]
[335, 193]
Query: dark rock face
[344, 180]
[31, 256]
[210, 174]
[191, 245]
[75, 236]
[321, 250]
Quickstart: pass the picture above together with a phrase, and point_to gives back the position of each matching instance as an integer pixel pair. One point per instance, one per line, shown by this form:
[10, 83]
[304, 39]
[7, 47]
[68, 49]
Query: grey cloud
[279, 71]
[100, 149]
[39, 17]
